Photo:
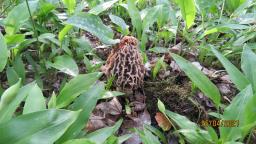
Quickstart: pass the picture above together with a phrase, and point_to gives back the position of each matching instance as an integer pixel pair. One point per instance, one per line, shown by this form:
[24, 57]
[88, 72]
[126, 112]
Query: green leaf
[8, 96]
[248, 61]
[188, 11]
[157, 132]
[18, 16]
[235, 75]
[123, 138]
[70, 4]
[64, 32]
[102, 7]
[237, 110]
[65, 64]
[200, 80]
[19, 67]
[4, 53]
[75, 87]
[111, 94]
[160, 106]
[52, 101]
[12, 75]
[225, 27]
[79, 141]
[35, 100]
[86, 102]
[147, 137]
[14, 39]
[14, 98]
[94, 25]
[232, 5]
[190, 130]
[99, 136]
[43, 126]
[121, 23]
[135, 17]
[159, 64]
[46, 37]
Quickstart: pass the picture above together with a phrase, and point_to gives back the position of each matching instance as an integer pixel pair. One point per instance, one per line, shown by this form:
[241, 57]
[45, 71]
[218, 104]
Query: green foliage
[65, 64]
[200, 80]
[4, 52]
[188, 11]
[46, 126]
[75, 87]
[45, 37]
[35, 100]
[235, 75]
[102, 7]
[94, 25]
[18, 16]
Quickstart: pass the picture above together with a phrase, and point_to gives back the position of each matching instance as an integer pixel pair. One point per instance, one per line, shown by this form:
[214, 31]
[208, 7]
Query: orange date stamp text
[220, 123]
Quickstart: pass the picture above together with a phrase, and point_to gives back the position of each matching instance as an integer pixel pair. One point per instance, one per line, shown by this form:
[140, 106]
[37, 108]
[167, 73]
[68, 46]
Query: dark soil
[174, 92]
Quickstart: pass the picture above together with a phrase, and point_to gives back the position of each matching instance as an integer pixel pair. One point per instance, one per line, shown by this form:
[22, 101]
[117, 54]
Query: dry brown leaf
[112, 107]
[162, 121]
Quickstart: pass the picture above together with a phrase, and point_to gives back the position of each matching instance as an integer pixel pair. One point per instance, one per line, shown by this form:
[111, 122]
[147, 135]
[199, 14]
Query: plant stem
[222, 9]
[33, 23]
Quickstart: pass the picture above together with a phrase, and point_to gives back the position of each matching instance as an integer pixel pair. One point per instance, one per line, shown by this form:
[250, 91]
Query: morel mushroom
[125, 64]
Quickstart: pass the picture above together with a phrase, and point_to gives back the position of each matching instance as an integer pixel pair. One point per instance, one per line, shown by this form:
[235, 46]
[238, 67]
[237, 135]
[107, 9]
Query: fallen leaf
[112, 107]
[162, 121]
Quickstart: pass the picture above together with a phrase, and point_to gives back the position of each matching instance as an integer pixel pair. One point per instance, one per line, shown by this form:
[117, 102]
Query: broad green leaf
[225, 27]
[94, 25]
[200, 80]
[4, 53]
[243, 7]
[39, 127]
[196, 136]
[190, 130]
[147, 137]
[135, 17]
[14, 39]
[121, 23]
[102, 7]
[35, 100]
[19, 67]
[248, 61]
[159, 50]
[52, 101]
[75, 87]
[123, 138]
[232, 5]
[237, 110]
[8, 96]
[12, 75]
[63, 32]
[48, 37]
[235, 75]
[18, 16]
[111, 94]
[188, 11]
[65, 64]
[14, 99]
[70, 4]
[212, 133]
[99, 136]
[86, 102]
[157, 132]
[79, 141]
